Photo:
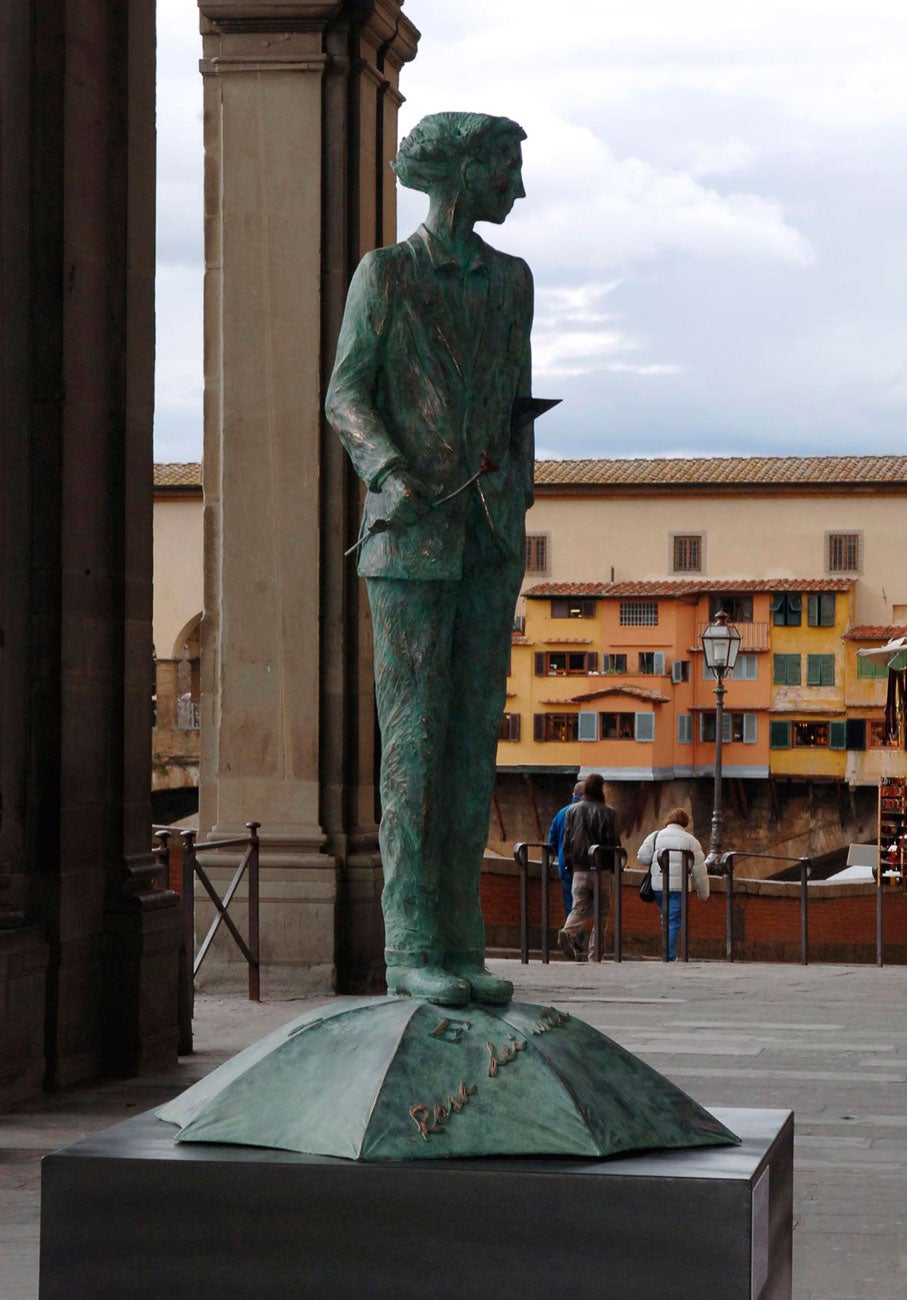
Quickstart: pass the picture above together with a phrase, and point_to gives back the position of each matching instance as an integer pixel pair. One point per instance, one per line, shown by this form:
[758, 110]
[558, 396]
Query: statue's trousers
[441, 656]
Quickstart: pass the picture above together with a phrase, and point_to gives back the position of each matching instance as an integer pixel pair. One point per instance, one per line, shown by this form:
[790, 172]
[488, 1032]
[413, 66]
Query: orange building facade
[609, 676]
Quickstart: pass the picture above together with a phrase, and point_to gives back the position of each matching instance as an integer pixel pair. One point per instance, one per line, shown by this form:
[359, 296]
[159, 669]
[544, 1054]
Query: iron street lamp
[720, 644]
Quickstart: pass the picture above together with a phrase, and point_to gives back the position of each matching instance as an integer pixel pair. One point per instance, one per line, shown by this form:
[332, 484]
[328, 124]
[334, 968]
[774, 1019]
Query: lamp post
[720, 644]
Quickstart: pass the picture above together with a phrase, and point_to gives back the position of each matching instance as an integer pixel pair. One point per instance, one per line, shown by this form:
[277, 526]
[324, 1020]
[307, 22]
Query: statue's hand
[405, 499]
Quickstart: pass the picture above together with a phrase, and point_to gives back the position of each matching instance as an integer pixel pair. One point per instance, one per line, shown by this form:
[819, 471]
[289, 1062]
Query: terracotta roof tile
[567, 640]
[663, 472]
[684, 587]
[874, 632]
[187, 474]
[638, 692]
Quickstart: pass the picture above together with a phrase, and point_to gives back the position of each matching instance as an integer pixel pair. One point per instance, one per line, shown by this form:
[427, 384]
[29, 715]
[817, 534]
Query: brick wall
[766, 919]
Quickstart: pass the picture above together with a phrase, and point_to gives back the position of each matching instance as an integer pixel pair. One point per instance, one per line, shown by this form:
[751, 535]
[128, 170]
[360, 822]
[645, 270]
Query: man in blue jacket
[556, 841]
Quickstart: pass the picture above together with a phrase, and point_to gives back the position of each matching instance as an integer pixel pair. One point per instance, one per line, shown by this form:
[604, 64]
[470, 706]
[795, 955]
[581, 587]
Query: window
[680, 670]
[614, 663]
[878, 739]
[627, 726]
[820, 670]
[786, 670]
[684, 728]
[787, 609]
[736, 728]
[556, 726]
[820, 609]
[639, 613]
[652, 663]
[872, 667]
[573, 609]
[562, 663]
[843, 552]
[510, 727]
[746, 669]
[778, 734]
[686, 552]
[739, 609]
[537, 553]
[849, 734]
[810, 735]
[618, 726]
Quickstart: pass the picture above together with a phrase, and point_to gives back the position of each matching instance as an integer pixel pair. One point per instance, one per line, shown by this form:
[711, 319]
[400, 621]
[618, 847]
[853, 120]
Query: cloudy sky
[716, 215]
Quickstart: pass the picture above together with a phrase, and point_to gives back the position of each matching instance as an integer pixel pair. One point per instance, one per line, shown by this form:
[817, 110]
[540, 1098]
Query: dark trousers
[441, 653]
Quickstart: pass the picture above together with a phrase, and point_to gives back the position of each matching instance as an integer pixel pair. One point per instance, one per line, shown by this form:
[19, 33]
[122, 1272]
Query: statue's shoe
[485, 986]
[430, 983]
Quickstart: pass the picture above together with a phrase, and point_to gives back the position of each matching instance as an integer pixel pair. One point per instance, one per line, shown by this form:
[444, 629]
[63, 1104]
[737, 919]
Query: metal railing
[726, 868]
[190, 960]
[602, 858]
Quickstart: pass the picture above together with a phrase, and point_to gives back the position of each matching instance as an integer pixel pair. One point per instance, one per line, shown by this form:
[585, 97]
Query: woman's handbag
[646, 892]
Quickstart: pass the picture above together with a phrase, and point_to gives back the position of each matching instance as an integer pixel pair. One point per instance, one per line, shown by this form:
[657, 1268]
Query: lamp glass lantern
[720, 645]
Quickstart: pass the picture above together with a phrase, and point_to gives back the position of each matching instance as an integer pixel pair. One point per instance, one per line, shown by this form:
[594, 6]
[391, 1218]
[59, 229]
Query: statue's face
[496, 184]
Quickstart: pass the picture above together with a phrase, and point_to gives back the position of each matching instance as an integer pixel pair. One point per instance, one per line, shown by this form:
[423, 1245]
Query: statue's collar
[440, 256]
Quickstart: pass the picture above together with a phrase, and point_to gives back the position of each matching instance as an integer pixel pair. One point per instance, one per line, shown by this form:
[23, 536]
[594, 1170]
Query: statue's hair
[436, 148]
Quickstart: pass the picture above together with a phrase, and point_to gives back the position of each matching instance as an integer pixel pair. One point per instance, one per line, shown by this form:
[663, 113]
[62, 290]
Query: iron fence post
[804, 911]
[685, 860]
[595, 863]
[545, 872]
[880, 950]
[728, 861]
[521, 857]
[620, 861]
[254, 923]
[187, 946]
[664, 862]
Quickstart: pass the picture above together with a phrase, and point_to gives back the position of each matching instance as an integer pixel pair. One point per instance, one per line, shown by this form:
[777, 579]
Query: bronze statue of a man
[432, 357]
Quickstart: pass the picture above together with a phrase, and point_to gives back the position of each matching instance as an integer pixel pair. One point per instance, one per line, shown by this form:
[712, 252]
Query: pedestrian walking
[556, 842]
[588, 822]
[674, 836]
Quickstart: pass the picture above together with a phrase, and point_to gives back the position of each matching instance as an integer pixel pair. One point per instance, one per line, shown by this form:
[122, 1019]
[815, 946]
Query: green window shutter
[659, 661]
[750, 728]
[793, 670]
[726, 728]
[684, 728]
[812, 609]
[779, 669]
[815, 670]
[779, 734]
[837, 735]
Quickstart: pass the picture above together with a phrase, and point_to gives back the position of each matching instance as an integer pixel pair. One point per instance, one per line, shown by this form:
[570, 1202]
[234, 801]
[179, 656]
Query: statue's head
[469, 155]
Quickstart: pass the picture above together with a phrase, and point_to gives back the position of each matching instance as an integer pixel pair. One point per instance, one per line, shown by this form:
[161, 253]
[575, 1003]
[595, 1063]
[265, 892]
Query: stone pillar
[77, 284]
[300, 121]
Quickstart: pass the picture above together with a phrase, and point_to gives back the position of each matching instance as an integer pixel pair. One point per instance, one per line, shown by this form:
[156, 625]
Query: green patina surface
[400, 1079]
[429, 397]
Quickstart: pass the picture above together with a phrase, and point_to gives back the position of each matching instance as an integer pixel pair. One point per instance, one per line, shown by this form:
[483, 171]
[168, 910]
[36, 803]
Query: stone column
[88, 955]
[300, 105]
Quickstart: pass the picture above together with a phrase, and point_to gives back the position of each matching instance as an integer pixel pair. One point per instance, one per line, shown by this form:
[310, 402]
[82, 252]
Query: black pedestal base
[130, 1213]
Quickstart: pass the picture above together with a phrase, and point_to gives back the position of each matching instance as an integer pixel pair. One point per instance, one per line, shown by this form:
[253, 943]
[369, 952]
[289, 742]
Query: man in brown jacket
[589, 822]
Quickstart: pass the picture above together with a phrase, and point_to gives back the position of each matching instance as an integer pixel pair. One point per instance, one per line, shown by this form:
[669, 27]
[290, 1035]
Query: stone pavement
[829, 1042]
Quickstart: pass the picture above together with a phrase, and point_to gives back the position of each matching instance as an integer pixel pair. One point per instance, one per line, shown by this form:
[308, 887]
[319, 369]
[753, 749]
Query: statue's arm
[523, 443]
[349, 405]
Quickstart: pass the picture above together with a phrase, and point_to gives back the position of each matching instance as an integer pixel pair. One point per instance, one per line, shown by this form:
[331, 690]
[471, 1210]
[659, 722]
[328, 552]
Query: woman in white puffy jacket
[674, 835]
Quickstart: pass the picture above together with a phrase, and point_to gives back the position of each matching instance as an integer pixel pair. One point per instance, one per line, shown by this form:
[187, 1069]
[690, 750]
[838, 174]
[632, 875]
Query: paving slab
[758, 1036]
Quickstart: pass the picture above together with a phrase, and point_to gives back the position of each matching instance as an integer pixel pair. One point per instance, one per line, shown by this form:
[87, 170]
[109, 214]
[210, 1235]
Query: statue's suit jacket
[425, 380]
